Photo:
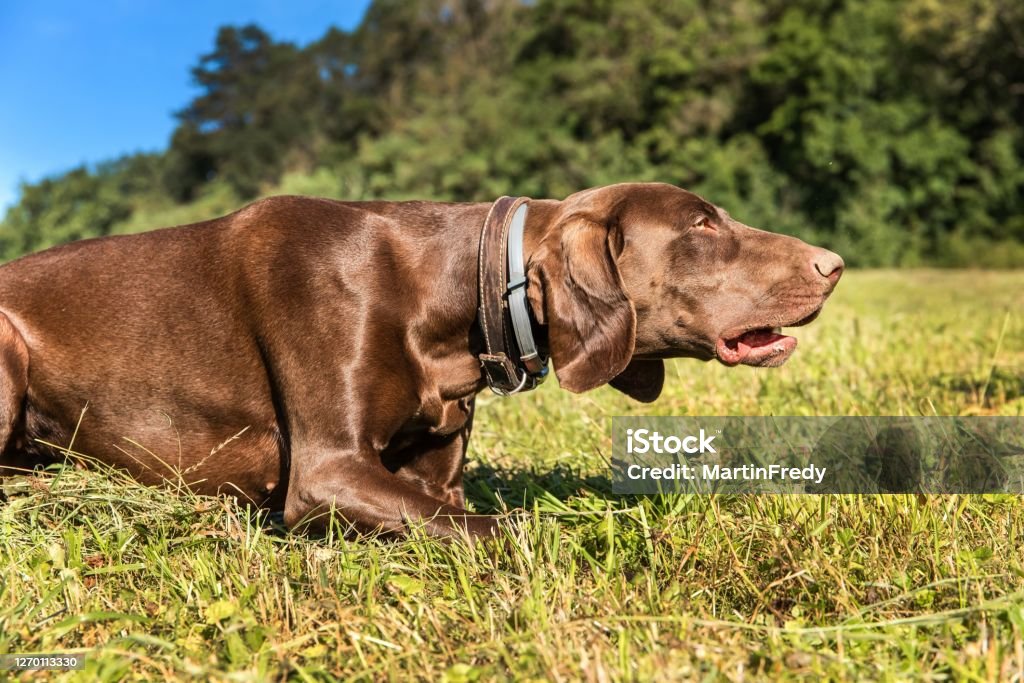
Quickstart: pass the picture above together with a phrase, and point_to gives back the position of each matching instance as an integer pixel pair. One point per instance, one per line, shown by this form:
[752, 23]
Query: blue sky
[88, 81]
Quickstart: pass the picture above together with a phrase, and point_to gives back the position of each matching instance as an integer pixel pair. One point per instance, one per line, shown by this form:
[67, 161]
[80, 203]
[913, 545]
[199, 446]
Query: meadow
[158, 584]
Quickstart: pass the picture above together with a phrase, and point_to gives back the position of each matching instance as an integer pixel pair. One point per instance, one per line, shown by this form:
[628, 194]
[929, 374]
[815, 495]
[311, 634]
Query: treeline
[889, 131]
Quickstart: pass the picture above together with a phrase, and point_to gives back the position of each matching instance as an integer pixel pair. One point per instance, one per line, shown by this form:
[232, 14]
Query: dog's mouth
[764, 347]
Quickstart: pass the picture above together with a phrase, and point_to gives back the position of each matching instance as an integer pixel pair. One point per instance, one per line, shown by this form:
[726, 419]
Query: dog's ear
[576, 290]
[641, 380]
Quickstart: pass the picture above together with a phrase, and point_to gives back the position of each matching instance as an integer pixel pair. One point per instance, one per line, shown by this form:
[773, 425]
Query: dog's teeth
[777, 330]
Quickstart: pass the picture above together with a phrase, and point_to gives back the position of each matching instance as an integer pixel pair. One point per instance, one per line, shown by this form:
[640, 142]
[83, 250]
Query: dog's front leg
[433, 462]
[362, 491]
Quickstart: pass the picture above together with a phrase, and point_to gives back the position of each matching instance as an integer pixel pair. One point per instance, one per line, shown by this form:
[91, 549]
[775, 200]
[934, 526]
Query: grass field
[157, 585]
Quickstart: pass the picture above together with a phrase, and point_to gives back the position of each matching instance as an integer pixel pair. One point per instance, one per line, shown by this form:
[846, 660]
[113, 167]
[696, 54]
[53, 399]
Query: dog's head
[626, 275]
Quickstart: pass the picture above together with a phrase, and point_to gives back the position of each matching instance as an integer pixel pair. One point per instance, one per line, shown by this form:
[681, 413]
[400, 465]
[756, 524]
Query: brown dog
[308, 355]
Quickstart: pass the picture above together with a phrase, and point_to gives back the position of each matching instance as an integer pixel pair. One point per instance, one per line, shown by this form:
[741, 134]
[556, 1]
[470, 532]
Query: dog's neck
[461, 295]
[539, 221]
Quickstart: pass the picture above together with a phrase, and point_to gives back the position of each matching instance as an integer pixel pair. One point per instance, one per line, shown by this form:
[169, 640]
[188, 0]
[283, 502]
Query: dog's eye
[703, 223]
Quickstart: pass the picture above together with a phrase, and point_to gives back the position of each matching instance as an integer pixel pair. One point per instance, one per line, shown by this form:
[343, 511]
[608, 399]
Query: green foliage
[892, 132]
[78, 205]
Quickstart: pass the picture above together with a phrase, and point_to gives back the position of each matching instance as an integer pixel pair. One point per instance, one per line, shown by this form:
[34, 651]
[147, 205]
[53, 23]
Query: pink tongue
[757, 338]
[754, 339]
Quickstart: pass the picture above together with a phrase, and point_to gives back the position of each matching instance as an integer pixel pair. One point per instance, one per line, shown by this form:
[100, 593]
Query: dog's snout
[829, 265]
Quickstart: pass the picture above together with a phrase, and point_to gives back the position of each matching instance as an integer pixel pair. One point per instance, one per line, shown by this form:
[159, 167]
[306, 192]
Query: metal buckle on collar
[505, 379]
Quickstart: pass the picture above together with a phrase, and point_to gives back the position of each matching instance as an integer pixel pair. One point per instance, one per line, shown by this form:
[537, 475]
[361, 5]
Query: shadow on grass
[487, 487]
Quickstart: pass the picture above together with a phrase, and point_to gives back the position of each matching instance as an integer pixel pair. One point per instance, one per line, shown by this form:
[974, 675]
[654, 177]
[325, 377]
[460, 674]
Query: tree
[251, 117]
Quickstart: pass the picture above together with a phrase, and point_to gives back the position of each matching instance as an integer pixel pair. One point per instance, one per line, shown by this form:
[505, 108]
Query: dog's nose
[829, 265]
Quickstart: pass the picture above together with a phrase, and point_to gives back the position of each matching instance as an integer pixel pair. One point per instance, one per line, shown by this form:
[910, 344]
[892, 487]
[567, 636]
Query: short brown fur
[307, 354]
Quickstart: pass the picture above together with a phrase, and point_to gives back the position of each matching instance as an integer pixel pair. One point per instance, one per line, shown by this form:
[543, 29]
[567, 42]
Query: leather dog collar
[511, 361]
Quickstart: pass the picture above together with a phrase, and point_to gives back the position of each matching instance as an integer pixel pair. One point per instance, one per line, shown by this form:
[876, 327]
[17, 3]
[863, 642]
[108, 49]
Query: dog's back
[141, 333]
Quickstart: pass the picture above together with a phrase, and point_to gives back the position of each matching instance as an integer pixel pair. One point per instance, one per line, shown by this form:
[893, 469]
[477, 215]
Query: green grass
[158, 585]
